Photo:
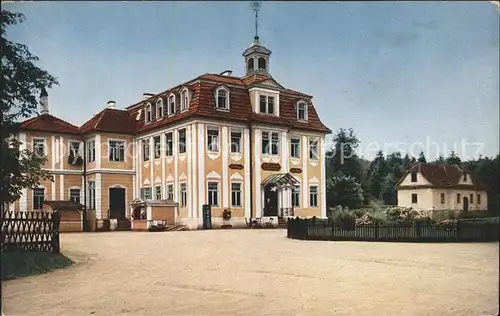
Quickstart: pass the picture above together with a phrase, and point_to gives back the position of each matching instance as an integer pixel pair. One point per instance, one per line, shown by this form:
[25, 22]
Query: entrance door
[117, 203]
[270, 200]
[466, 204]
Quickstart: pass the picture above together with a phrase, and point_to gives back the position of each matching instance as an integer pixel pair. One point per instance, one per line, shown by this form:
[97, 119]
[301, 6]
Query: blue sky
[396, 72]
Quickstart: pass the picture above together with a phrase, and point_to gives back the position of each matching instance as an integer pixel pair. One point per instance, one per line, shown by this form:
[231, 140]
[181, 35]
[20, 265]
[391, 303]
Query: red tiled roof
[110, 120]
[444, 176]
[49, 123]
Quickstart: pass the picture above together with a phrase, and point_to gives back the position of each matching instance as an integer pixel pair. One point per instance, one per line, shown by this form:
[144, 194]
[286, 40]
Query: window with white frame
[213, 139]
[313, 149]
[170, 191]
[183, 192]
[145, 149]
[39, 146]
[159, 109]
[236, 194]
[92, 198]
[296, 196]
[213, 193]
[171, 105]
[184, 99]
[222, 99]
[38, 198]
[116, 150]
[182, 141]
[157, 146]
[266, 103]
[302, 111]
[271, 143]
[91, 151]
[313, 196]
[146, 193]
[158, 192]
[295, 147]
[169, 144]
[236, 140]
[74, 151]
[148, 114]
[74, 195]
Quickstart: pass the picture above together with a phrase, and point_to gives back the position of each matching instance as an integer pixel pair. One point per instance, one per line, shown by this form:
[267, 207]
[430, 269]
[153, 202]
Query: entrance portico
[276, 195]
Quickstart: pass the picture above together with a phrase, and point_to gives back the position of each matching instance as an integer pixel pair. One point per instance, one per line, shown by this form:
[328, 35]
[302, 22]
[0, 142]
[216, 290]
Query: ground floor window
[478, 200]
[296, 196]
[146, 193]
[92, 195]
[313, 196]
[74, 195]
[158, 192]
[236, 194]
[183, 190]
[38, 198]
[414, 198]
[213, 193]
[170, 192]
[472, 198]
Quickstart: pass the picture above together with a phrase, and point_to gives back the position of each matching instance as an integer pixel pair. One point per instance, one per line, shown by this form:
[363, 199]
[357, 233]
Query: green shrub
[343, 218]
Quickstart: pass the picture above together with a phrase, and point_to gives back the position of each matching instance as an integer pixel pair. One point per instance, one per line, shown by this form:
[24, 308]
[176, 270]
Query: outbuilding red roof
[49, 123]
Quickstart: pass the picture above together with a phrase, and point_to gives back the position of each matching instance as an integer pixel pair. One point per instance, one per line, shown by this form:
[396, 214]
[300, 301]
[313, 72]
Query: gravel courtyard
[258, 272]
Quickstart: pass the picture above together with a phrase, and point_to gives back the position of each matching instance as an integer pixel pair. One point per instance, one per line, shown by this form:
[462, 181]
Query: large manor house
[243, 144]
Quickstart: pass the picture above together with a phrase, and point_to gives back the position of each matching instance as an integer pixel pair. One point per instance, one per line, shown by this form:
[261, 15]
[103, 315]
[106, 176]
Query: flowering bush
[447, 224]
[406, 215]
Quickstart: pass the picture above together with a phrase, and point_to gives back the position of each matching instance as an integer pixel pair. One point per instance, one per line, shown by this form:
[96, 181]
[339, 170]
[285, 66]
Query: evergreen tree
[421, 157]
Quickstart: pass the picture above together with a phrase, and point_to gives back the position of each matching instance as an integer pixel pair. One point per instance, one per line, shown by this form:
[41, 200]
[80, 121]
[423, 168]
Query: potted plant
[226, 215]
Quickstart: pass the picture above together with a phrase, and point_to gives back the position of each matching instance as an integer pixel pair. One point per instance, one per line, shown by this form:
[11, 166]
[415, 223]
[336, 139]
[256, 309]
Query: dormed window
[159, 108]
[266, 104]
[147, 113]
[302, 111]
[184, 99]
[222, 98]
[171, 104]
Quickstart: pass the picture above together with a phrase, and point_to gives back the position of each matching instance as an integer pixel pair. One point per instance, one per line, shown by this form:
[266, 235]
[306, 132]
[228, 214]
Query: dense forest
[354, 182]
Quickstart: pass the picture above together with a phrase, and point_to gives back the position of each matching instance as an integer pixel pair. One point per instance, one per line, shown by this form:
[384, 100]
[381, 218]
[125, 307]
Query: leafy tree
[344, 191]
[342, 158]
[421, 157]
[22, 83]
[453, 158]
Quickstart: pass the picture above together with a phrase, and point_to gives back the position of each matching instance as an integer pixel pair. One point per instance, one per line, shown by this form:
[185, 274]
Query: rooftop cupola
[257, 55]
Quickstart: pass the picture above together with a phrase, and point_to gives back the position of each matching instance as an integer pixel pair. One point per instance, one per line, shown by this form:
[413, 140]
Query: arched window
[147, 113]
[250, 64]
[184, 99]
[171, 104]
[222, 98]
[262, 63]
[302, 111]
[159, 108]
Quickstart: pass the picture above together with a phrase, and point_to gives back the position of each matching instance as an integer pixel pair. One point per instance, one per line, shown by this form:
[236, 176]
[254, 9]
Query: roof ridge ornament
[256, 5]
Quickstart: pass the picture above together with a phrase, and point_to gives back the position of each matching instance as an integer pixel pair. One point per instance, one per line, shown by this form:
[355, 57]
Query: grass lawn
[25, 263]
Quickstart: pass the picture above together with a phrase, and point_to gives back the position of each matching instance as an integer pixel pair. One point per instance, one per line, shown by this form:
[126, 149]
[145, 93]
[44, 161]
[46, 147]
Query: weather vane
[256, 7]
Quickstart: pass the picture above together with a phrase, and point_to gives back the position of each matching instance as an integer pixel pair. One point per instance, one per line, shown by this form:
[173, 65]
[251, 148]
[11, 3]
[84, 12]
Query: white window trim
[45, 149]
[145, 141]
[300, 195]
[179, 141]
[270, 135]
[241, 193]
[180, 194]
[213, 128]
[236, 130]
[218, 192]
[171, 95]
[124, 149]
[75, 188]
[79, 152]
[173, 144]
[33, 196]
[228, 98]
[173, 190]
[271, 93]
[161, 191]
[148, 108]
[185, 90]
[159, 104]
[154, 148]
[317, 195]
[88, 149]
[299, 149]
[309, 139]
[306, 111]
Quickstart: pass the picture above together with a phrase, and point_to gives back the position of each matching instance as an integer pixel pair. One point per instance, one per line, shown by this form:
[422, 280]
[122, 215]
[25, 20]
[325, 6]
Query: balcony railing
[287, 211]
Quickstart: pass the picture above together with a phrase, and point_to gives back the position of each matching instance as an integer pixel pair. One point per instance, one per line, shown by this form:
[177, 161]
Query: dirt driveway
[258, 272]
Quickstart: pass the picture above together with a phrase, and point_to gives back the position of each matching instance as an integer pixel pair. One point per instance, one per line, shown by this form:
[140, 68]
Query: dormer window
[302, 111]
[222, 99]
[147, 113]
[184, 99]
[267, 104]
[159, 109]
[262, 63]
[171, 105]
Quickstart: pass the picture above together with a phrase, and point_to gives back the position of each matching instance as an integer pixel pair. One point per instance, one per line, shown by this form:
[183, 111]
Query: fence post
[376, 229]
[56, 246]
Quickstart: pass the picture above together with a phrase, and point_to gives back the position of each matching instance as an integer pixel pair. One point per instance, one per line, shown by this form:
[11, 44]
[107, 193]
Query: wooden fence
[309, 229]
[31, 231]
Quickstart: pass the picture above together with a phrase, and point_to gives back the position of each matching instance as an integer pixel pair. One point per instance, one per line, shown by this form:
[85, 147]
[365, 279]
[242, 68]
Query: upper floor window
[146, 193]
[159, 109]
[91, 151]
[222, 99]
[157, 146]
[169, 142]
[213, 139]
[266, 104]
[116, 150]
[302, 111]
[170, 192]
[313, 149]
[145, 149]
[38, 198]
[171, 105]
[270, 143]
[184, 99]
[235, 140]
[295, 147]
[39, 146]
[74, 156]
[413, 177]
[148, 116]
[158, 192]
[182, 141]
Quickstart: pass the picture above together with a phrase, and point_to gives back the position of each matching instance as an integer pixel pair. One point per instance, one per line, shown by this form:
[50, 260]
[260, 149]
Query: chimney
[44, 102]
[111, 104]
[147, 95]
[226, 73]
